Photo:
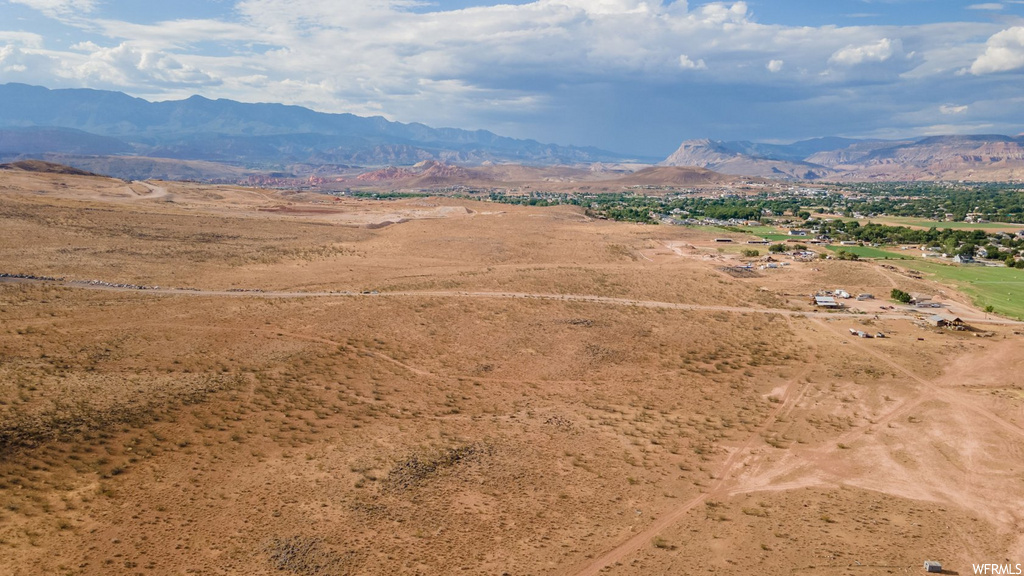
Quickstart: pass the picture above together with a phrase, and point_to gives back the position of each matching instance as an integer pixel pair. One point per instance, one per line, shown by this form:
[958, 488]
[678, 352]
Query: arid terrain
[202, 379]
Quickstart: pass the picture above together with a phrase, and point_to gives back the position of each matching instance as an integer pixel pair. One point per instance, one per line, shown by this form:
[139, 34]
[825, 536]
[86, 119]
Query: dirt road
[98, 285]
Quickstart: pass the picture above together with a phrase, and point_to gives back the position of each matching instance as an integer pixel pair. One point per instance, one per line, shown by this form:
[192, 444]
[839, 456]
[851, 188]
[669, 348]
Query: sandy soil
[520, 390]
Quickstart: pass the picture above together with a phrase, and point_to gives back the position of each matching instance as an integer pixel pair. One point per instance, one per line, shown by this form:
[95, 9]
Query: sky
[631, 76]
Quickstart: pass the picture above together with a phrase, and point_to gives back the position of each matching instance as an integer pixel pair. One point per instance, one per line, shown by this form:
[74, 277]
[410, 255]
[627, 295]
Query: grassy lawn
[769, 233]
[1001, 288]
[869, 252]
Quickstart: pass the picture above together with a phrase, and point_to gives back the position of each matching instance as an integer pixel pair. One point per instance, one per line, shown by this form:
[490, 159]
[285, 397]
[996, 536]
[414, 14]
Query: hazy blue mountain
[259, 134]
[15, 141]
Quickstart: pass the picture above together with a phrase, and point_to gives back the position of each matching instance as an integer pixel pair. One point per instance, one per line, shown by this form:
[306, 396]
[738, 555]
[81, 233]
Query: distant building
[933, 566]
[939, 321]
[826, 302]
[963, 259]
[920, 299]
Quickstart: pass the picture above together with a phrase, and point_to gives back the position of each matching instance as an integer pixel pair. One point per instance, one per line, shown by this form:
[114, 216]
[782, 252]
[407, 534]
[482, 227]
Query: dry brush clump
[420, 467]
[309, 556]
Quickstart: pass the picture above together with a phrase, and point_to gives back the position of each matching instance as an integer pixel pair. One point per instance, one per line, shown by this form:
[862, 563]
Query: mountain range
[974, 157]
[34, 119]
[223, 140]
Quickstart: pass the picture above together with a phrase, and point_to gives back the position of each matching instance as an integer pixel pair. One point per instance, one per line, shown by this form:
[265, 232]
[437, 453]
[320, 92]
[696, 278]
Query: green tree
[900, 296]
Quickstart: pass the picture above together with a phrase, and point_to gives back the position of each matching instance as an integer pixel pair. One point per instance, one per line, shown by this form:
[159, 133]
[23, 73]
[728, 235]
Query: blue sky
[635, 76]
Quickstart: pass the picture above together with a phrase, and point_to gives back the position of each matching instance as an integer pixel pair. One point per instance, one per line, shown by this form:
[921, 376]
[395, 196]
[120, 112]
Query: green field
[769, 233]
[869, 252]
[1001, 288]
[922, 223]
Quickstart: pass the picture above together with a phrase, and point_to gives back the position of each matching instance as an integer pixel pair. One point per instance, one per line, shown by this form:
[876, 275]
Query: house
[933, 566]
[939, 321]
[795, 232]
[848, 243]
[826, 302]
[723, 239]
[865, 297]
[963, 259]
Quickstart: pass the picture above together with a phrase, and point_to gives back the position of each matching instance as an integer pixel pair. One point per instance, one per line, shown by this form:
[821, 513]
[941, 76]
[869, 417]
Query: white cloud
[952, 110]
[23, 39]
[55, 8]
[722, 12]
[1003, 52]
[775, 66]
[852, 55]
[175, 34]
[687, 64]
[127, 64]
[993, 6]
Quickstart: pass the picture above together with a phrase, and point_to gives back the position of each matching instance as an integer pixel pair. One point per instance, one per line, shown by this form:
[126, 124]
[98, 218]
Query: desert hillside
[200, 379]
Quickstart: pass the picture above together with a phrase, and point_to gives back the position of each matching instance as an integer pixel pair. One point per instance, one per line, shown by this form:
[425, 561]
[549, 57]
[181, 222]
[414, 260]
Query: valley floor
[474, 389]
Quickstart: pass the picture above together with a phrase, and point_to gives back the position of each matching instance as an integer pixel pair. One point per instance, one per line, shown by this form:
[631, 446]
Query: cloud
[127, 64]
[57, 8]
[987, 6]
[952, 110]
[1003, 52]
[852, 55]
[23, 39]
[687, 64]
[526, 67]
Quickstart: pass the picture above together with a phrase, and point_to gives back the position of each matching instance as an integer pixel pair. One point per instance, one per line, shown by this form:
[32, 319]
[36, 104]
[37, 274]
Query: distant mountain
[974, 157]
[58, 141]
[746, 159]
[35, 120]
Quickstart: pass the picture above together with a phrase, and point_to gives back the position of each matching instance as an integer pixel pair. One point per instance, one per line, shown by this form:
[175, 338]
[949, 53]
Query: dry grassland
[436, 429]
